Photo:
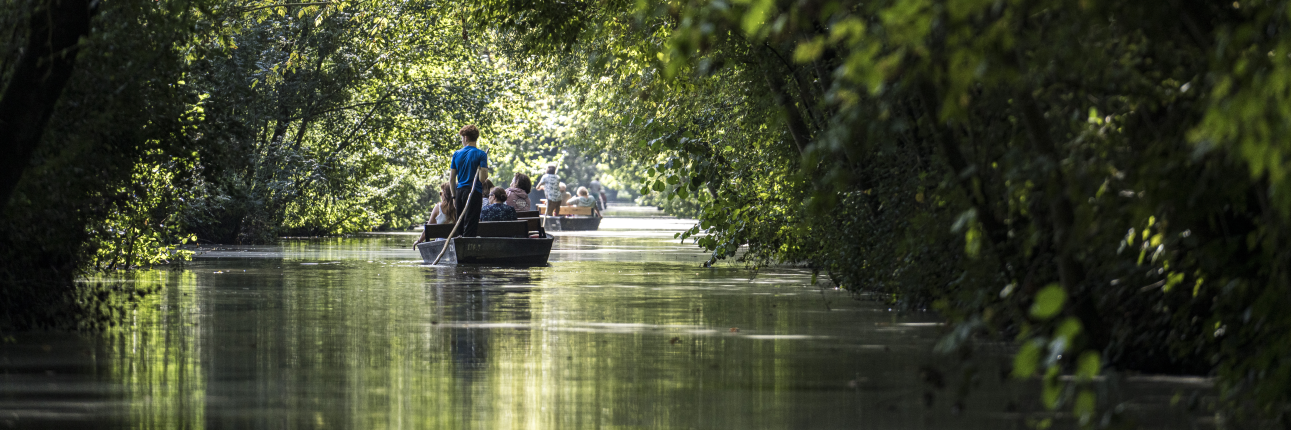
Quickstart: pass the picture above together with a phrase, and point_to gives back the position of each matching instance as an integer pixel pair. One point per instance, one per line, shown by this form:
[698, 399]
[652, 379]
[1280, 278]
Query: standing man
[597, 193]
[470, 165]
[549, 183]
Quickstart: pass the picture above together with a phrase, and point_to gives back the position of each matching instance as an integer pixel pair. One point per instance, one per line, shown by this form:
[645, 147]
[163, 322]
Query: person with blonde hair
[584, 199]
[561, 196]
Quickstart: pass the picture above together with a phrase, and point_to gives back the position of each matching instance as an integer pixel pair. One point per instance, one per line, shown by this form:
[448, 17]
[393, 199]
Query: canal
[622, 330]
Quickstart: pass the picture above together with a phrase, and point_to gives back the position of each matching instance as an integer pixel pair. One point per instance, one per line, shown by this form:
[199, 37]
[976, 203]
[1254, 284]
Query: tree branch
[797, 127]
[324, 3]
[1062, 214]
[996, 231]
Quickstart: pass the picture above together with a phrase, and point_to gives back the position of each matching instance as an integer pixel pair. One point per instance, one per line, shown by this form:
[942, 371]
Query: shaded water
[623, 329]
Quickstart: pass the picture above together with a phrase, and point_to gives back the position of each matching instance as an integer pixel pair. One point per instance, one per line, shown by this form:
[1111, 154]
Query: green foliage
[1048, 302]
[114, 161]
[1090, 177]
[238, 122]
[1102, 182]
[328, 120]
[1027, 359]
[142, 230]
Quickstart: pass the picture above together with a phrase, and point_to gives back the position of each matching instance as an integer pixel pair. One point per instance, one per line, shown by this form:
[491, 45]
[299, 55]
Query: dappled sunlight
[351, 333]
[756, 214]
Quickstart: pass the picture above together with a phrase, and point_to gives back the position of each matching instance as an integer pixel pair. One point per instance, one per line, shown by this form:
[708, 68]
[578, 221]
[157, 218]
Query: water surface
[623, 330]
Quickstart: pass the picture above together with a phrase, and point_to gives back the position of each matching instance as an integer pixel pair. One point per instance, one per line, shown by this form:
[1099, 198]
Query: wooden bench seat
[570, 210]
[535, 223]
[576, 210]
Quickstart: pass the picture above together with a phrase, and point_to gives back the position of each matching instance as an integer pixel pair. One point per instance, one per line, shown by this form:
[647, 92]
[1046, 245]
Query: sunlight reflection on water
[623, 329]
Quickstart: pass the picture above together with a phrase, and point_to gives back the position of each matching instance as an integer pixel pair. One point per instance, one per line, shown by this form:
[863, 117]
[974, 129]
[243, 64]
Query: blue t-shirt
[466, 161]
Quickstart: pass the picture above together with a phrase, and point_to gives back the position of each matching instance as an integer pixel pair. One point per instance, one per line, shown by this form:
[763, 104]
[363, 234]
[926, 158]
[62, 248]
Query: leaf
[809, 50]
[1048, 302]
[1069, 329]
[973, 242]
[1172, 280]
[658, 186]
[851, 30]
[964, 219]
[757, 15]
[1085, 406]
[1088, 366]
[1052, 391]
[1027, 359]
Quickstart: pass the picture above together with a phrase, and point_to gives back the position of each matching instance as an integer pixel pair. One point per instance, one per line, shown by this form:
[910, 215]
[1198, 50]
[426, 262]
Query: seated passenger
[518, 194]
[584, 200]
[562, 197]
[497, 209]
[444, 212]
[488, 185]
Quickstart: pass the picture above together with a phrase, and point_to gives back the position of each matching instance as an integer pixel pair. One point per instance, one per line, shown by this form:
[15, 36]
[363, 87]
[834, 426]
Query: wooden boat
[563, 223]
[489, 250]
[520, 242]
[571, 218]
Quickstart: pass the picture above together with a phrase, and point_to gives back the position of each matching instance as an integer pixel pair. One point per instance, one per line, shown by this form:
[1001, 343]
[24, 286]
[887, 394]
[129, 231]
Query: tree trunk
[1070, 271]
[38, 80]
[965, 176]
[797, 127]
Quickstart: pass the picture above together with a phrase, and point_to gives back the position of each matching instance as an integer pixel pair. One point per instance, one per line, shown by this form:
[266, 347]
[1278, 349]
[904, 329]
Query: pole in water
[460, 214]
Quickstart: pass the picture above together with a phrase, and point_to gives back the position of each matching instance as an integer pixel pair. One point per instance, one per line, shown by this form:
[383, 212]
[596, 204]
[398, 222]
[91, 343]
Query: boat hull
[561, 223]
[489, 250]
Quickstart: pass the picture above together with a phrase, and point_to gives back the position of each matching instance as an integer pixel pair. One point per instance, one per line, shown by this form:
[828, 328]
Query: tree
[1098, 181]
[35, 83]
[187, 120]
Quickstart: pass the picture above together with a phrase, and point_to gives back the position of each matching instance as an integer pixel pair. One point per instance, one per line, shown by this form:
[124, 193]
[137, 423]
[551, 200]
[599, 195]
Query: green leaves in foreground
[1054, 389]
[1088, 366]
[1027, 359]
[1048, 302]
[1086, 406]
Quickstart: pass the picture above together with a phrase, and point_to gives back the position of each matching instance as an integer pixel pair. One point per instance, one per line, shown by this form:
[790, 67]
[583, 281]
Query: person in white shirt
[549, 183]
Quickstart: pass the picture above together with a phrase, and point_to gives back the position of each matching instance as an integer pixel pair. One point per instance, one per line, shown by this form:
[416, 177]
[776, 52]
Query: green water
[623, 330]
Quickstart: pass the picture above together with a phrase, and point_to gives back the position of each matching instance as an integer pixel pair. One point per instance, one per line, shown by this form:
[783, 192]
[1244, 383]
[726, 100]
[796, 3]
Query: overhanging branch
[324, 3]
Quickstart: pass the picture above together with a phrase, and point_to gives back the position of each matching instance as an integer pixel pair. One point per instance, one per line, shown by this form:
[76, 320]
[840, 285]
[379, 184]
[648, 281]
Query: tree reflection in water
[357, 333]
